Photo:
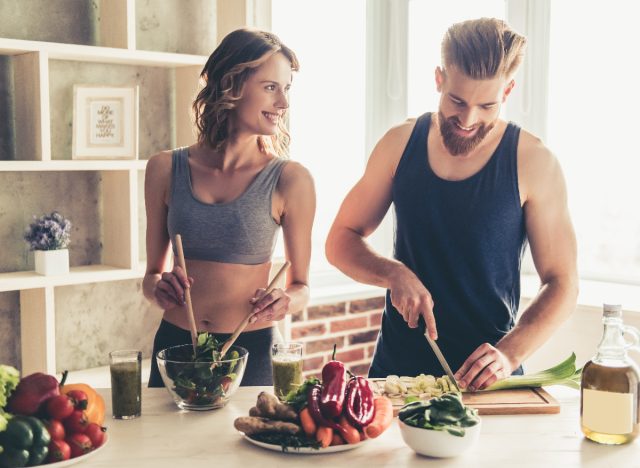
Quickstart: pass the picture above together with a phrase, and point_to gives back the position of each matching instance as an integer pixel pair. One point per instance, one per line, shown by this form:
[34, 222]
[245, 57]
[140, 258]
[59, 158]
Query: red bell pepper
[313, 403]
[334, 383]
[359, 402]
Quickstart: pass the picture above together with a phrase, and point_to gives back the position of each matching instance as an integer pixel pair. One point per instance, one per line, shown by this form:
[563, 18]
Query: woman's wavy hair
[237, 57]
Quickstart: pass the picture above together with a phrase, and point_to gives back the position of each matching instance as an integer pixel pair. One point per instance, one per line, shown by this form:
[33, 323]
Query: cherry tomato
[79, 444]
[80, 399]
[59, 450]
[76, 422]
[59, 407]
[96, 433]
[226, 383]
[55, 429]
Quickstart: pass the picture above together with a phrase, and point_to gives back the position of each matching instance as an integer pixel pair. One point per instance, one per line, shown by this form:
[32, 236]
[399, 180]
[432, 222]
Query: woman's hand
[269, 307]
[169, 290]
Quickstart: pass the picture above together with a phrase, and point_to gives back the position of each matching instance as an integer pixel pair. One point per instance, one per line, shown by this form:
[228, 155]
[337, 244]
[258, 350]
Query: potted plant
[49, 236]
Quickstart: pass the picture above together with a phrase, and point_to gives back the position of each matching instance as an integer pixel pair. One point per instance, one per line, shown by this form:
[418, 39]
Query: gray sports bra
[239, 231]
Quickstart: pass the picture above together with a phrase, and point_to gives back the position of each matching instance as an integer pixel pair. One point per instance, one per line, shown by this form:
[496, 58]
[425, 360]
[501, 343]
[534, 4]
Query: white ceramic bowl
[439, 444]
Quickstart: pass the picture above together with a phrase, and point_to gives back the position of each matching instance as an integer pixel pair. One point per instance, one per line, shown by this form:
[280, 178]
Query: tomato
[95, 405]
[59, 450]
[79, 444]
[76, 422]
[96, 433]
[80, 399]
[59, 407]
[226, 383]
[55, 428]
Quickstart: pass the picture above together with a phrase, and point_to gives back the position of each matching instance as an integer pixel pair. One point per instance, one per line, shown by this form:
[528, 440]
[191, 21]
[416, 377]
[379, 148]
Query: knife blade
[443, 362]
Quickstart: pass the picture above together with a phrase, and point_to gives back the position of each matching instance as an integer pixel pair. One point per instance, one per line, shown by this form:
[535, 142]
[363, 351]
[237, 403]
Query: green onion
[564, 373]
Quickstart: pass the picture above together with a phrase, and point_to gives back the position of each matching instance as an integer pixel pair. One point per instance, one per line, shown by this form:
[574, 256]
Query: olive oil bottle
[609, 394]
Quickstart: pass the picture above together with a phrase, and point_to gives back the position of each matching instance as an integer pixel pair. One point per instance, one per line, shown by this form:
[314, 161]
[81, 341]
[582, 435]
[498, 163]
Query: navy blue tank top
[464, 240]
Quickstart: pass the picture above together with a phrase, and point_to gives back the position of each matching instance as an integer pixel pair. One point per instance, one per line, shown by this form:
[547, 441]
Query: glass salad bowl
[201, 384]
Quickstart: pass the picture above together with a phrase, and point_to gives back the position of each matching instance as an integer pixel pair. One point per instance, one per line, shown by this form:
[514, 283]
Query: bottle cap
[612, 310]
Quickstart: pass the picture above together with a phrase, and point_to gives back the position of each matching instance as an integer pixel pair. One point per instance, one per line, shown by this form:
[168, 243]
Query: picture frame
[105, 122]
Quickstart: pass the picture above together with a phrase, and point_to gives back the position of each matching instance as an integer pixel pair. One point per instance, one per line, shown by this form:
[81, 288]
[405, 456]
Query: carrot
[337, 440]
[350, 433]
[382, 419]
[324, 435]
[309, 426]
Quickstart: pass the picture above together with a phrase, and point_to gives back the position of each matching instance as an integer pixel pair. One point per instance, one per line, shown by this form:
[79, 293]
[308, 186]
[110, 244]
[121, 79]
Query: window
[592, 128]
[327, 120]
[583, 108]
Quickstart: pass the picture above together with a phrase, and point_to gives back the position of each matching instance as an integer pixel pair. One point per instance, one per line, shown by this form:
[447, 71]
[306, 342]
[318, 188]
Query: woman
[227, 195]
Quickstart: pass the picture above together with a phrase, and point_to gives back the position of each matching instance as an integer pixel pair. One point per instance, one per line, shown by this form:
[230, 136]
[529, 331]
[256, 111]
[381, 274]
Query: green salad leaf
[203, 383]
[9, 378]
[445, 413]
[298, 397]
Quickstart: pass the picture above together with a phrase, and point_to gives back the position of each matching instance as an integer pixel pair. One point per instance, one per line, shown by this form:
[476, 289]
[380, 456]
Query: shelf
[21, 280]
[42, 67]
[71, 165]
[85, 53]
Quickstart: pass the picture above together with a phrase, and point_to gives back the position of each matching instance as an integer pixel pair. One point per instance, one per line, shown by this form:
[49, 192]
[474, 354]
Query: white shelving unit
[120, 179]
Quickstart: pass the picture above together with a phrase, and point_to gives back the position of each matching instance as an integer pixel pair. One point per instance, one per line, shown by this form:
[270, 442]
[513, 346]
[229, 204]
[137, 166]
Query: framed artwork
[105, 122]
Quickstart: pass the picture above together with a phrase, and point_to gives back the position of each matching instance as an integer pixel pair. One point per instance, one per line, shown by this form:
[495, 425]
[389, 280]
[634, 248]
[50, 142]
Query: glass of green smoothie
[286, 359]
[126, 383]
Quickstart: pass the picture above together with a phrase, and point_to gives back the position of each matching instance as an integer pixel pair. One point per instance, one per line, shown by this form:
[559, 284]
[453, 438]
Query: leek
[564, 373]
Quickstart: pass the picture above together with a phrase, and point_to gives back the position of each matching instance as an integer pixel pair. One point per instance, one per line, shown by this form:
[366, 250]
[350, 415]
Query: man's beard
[455, 143]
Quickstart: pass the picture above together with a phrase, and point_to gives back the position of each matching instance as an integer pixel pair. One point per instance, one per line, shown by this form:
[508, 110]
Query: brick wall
[353, 326]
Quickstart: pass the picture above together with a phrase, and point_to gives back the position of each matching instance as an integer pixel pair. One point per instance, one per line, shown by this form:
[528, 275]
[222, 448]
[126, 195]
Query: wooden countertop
[164, 436]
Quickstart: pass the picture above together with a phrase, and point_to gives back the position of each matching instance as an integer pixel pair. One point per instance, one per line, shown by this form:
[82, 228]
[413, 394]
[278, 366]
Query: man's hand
[269, 307]
[412, 299]
[486, 365]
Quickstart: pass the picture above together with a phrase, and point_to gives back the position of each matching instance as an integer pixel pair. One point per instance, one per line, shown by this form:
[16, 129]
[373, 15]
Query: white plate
[73, 461]
[304, 450]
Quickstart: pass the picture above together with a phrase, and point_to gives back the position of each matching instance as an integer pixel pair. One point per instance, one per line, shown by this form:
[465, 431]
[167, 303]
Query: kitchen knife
[441, 359]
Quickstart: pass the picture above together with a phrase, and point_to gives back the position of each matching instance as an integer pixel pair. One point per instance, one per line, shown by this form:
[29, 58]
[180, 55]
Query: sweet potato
[254, 425]
[270, 407]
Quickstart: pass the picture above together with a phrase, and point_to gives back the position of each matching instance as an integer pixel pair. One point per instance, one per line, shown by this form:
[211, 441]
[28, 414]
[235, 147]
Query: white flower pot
[52, 262]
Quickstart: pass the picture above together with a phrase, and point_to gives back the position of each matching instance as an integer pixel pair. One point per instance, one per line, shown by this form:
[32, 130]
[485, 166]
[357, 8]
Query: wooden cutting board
[516, 401]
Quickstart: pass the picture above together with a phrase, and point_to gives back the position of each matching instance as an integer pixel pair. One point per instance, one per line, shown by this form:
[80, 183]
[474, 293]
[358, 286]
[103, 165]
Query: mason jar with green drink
[286, 359]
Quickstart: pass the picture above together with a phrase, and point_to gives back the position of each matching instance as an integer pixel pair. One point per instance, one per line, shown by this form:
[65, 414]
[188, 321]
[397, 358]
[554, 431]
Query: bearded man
[469, 190]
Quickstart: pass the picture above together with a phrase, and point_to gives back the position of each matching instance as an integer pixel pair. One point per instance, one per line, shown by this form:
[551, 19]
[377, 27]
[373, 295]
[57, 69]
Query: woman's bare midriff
[220, 295]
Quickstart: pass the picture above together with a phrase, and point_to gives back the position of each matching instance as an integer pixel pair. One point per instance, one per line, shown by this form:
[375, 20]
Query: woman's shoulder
[294, 170]
[158, 172]
[160, 162]
[295, 177]
[161, 159]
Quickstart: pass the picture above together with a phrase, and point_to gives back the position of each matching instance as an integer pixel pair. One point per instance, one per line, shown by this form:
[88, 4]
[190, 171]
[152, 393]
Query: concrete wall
[157, 28]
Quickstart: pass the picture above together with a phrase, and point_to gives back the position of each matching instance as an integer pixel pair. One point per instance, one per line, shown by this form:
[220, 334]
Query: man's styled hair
[483, 48]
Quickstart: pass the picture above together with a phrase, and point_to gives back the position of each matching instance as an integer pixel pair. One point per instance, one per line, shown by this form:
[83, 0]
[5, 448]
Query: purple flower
[49, 232]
